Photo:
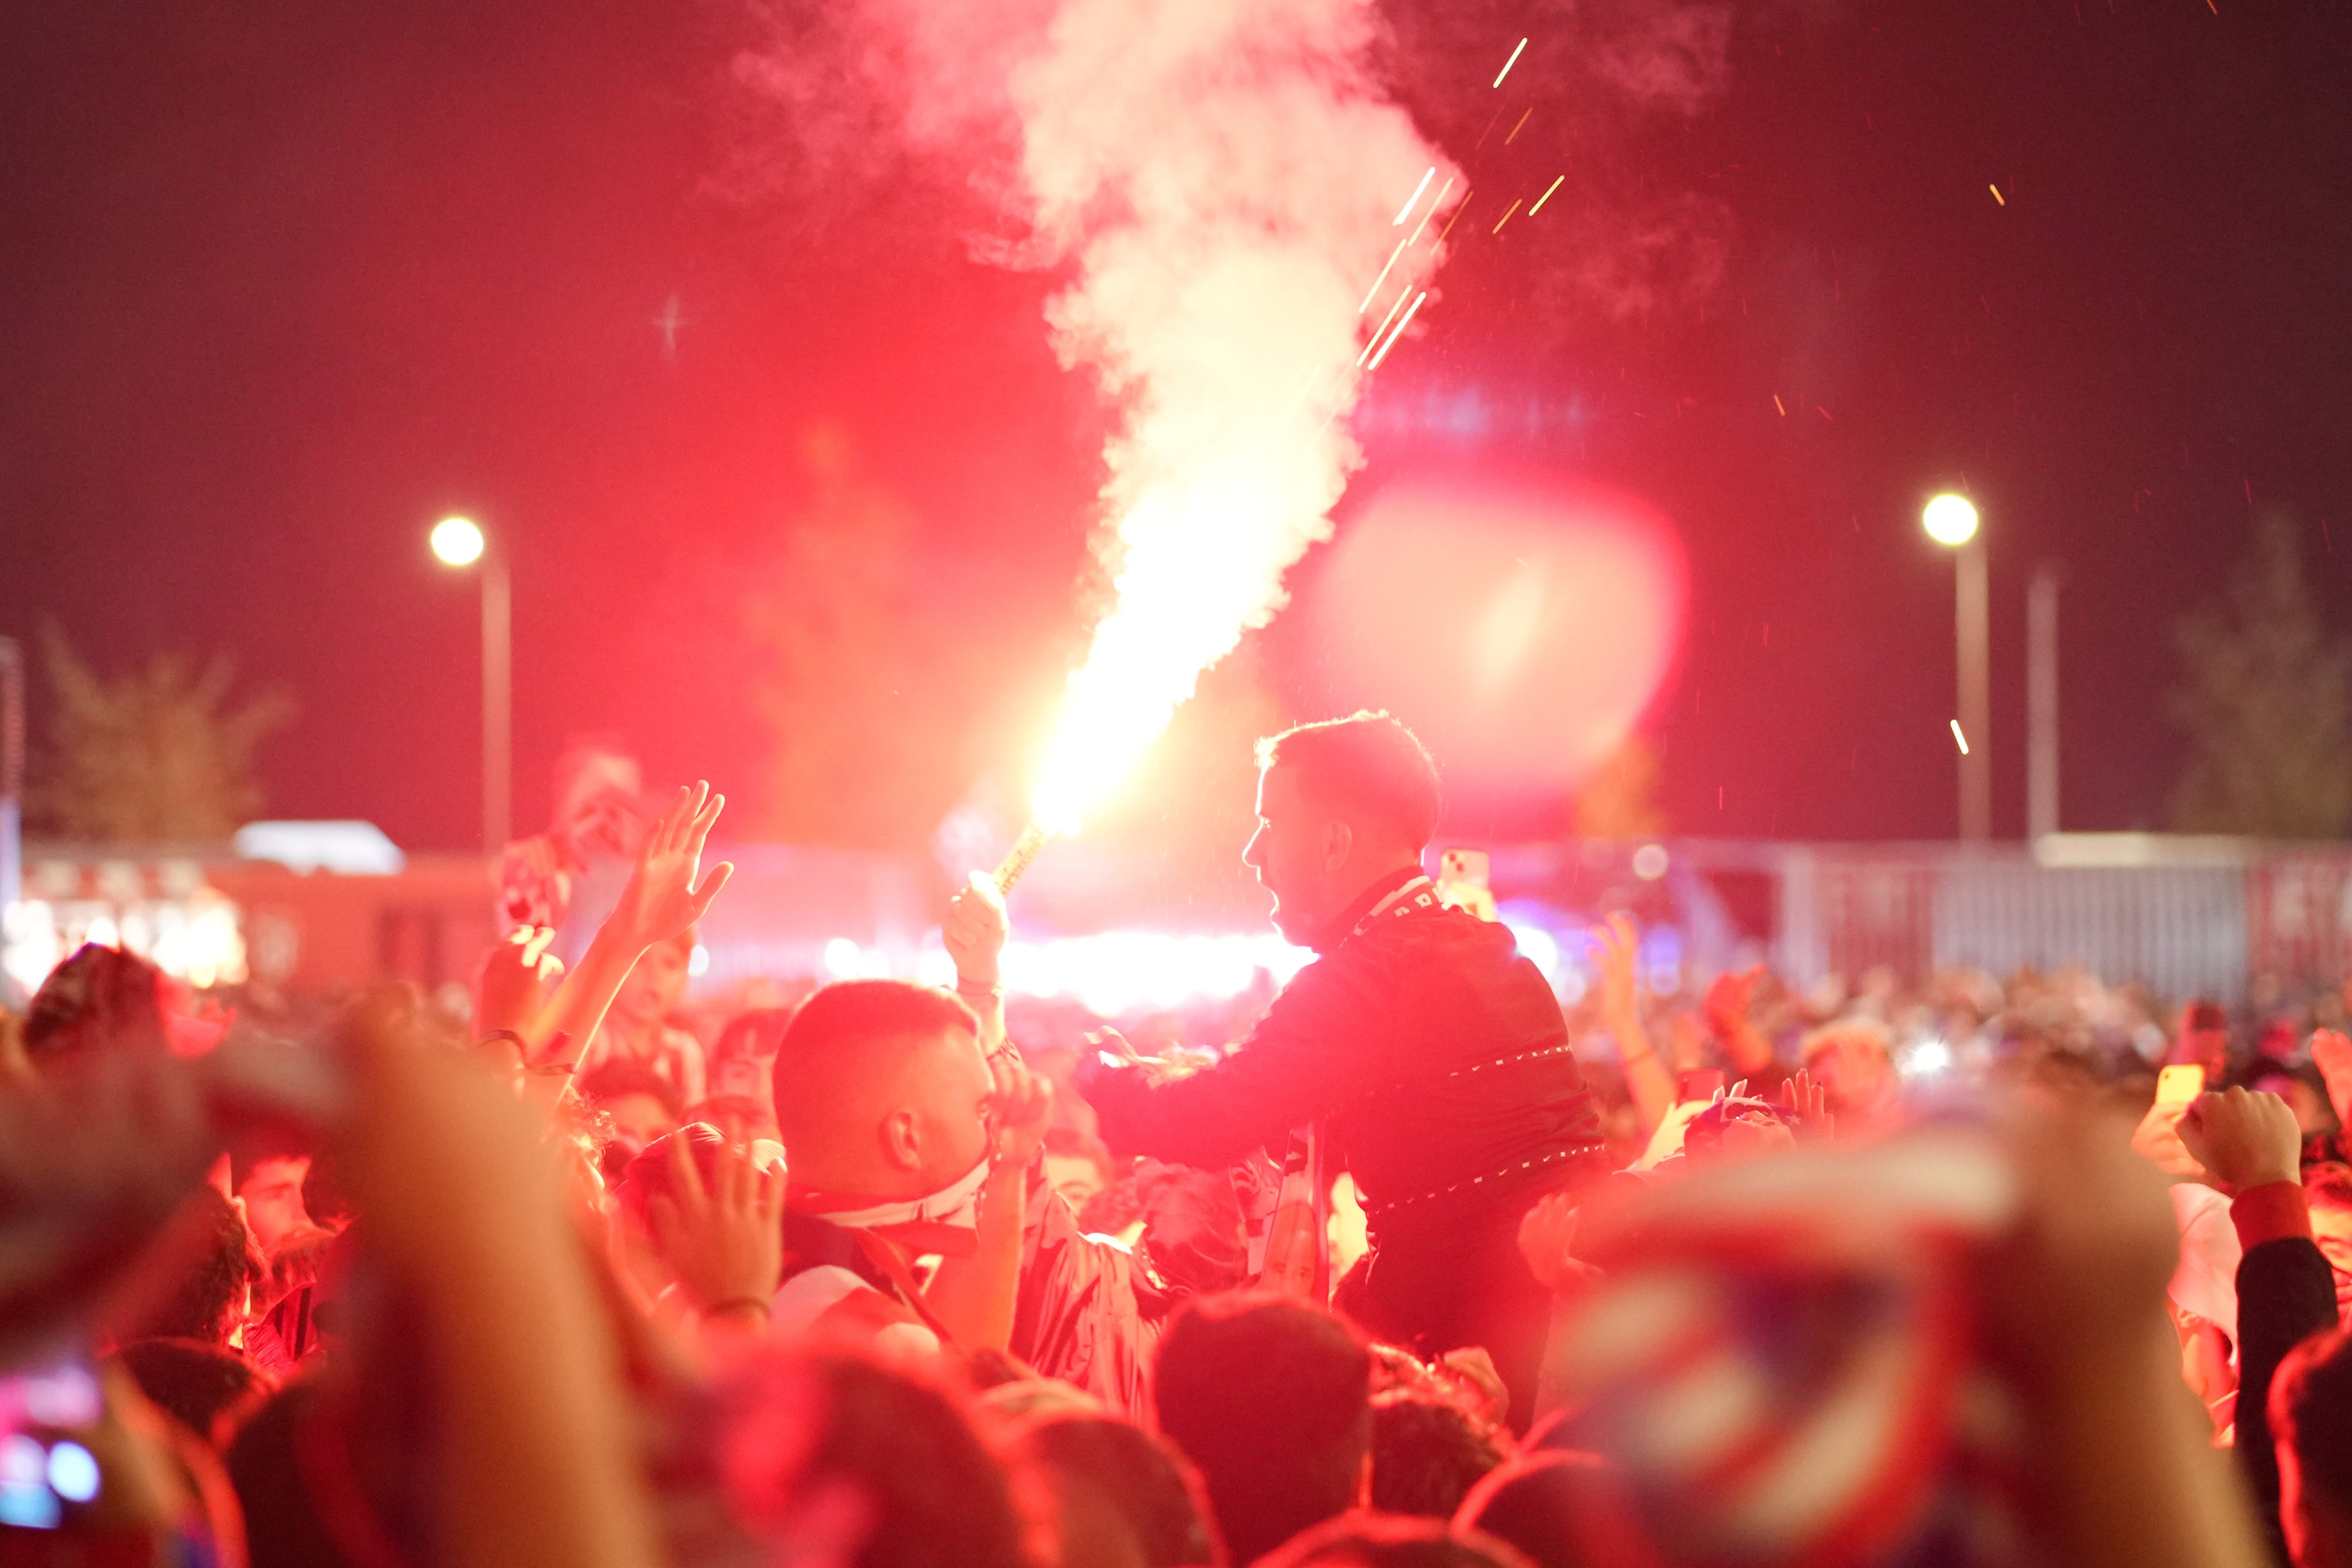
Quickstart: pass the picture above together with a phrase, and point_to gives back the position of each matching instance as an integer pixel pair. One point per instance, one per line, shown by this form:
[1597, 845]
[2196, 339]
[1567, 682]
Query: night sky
[285, 283]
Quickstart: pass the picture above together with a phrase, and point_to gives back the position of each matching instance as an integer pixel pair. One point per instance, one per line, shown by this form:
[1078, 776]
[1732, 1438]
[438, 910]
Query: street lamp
[458, 542]
[1951, 521]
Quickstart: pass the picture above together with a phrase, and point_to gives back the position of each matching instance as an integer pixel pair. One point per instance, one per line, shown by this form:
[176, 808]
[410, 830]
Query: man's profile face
[272, 1193]
[2331, 1230]
[954, 1093]
[1287, 852]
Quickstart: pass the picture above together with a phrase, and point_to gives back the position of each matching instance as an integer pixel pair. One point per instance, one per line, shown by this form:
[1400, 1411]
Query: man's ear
[902, 1140]
[1338, 842]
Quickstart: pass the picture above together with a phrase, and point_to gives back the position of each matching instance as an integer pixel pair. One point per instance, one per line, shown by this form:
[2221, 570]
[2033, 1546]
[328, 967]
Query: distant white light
[457, 542]
[1929, 1056]
[1650, 862]
[1538, 948]
[347, 848]
[842, 959]
[1950, 520]
[698, 963]
[73, 1472]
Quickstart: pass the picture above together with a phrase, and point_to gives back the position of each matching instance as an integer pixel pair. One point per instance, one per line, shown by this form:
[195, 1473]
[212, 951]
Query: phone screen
[41, 1470]
[2179, 1085]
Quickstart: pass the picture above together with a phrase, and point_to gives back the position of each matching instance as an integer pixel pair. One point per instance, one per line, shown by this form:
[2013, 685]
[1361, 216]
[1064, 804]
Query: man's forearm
[973, 1297]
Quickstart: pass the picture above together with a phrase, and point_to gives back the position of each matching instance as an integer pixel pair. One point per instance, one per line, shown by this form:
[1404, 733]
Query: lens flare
[1950, 520]
[457, 542]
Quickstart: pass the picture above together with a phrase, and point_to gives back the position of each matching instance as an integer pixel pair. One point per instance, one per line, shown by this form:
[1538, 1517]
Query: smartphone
[1461, 881]
[42, 1468]
[1700, 1084]
[2179, 1085]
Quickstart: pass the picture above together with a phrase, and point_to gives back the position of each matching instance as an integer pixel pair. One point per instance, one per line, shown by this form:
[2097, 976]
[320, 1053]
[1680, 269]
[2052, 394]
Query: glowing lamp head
[1950, 520]
[457, 542]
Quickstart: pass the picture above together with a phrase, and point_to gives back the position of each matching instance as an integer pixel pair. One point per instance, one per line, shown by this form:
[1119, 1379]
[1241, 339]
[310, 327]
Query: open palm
[662, 901]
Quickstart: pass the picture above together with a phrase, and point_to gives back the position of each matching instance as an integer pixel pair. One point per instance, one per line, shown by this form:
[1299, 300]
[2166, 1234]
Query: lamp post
[1951, 521]
[459, 543]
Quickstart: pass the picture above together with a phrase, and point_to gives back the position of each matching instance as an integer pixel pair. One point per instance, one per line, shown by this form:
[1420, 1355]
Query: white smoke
[1222, 178]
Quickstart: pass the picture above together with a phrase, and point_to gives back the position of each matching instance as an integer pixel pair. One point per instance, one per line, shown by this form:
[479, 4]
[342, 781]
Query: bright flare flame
[1226, 178]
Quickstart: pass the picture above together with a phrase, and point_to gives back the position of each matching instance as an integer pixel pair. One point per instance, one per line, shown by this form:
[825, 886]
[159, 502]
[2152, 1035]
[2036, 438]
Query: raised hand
[726, 1241]
[2245, 1137]
[1020, 1108]
[1811, 1101]
[1616, 948]
[661, 900]
[974, 931]
[1548, 1241]
[514, 980]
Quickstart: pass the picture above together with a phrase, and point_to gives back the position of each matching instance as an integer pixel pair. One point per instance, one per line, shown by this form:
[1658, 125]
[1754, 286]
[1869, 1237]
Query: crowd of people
[1420, 1268]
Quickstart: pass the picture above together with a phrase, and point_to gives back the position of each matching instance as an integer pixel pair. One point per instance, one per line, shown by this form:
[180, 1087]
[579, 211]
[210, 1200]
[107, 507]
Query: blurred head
[205, 1387]
[100, 997]
[206, 1291]
[1551, 1504]
[1341, 805]
[1367, 1540]
[2204, 1041]
[2311, 1422]
[2306, 1094]
[2328, 1188]
[1272, 1400]
[1854, 1066]
[1123, 1498]
[640, 1102]
[1076, 1166]
[831, 1456]
[656, 984]
[1428, 1451]
[881, 1091]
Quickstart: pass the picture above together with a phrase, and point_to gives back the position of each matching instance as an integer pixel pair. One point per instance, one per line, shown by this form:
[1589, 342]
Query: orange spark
[1997, 196]
[1545, 196]
[1775, 403]
[1505, 217]
[1522, 125]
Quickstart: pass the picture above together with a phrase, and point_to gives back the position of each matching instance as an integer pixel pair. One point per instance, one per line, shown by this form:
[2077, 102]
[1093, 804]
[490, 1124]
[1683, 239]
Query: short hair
[795, 1428]
[194, 1382]
[2329, 1183]
[1138, 1476]
[1367, 765]
[98, 996]
[1272, 1400]
[202, 1300]
[849, 1016]
[618, 1076]
[1553, 1504]
[2311, 1412]
[1367, 1540]
[1428, 1451]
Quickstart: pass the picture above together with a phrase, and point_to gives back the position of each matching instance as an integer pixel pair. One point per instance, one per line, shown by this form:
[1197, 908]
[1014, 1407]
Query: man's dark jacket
[1437, 1057]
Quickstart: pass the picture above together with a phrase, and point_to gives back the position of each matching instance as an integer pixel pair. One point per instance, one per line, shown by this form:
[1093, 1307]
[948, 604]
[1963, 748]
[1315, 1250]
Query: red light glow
[1521, 631]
